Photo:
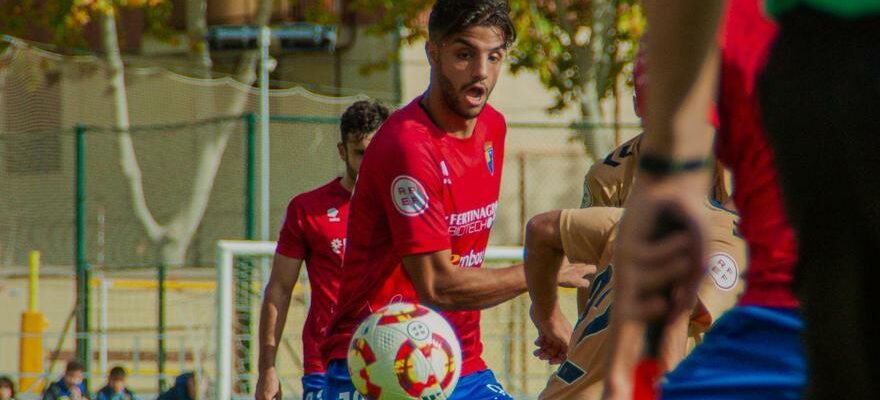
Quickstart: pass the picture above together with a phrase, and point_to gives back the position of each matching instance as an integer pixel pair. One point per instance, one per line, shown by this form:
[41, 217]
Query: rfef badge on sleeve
[490, 157]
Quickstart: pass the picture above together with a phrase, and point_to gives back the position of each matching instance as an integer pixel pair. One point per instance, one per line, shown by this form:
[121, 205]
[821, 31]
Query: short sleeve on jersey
[598, 192]
[411, 190]
[725, 264]
[585, 232]
[292, 240]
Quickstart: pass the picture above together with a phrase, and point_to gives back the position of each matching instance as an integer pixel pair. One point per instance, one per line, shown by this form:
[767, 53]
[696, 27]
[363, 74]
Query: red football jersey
[314, 231]
[419, 191]
[743, 147]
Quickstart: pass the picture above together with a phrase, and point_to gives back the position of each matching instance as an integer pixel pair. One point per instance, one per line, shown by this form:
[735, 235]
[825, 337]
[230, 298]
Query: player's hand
[554, 332]
[576, 275]
[660, 277]
[268, 386]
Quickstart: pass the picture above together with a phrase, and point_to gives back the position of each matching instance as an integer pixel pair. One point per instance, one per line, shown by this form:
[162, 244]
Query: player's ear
[432, 50]
[343, 155]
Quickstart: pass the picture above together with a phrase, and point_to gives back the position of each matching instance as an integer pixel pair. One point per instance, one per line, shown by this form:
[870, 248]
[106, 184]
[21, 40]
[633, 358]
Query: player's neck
[347, 182]
[446, 119]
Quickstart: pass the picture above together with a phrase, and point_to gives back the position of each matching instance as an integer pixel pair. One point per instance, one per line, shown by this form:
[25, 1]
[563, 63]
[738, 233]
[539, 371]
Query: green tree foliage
[578, 48]
[64, 20]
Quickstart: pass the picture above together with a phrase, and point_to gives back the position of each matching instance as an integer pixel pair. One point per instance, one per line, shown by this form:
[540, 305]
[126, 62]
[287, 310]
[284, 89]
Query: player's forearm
[683, 64]
[625, 345]
[544, 257]
[273, 316]
[477, 288]
[542, 266]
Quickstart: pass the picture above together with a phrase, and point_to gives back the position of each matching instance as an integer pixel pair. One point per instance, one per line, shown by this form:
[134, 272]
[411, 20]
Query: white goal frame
[227, 251]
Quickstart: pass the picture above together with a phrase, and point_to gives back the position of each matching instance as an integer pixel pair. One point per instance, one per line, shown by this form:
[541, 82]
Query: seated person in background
[184, 388]
[70, 386]
[7, 388]
[115, 388]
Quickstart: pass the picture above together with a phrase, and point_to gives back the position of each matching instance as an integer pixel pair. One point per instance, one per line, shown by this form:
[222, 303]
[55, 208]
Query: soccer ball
[404, 351]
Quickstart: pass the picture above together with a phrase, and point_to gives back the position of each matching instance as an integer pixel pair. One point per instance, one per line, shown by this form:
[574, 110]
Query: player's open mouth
[474, 95]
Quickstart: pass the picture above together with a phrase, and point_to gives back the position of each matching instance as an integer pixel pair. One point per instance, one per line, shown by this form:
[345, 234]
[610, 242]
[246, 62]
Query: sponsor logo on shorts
[497, 389]
[409, 196]
[724, 271]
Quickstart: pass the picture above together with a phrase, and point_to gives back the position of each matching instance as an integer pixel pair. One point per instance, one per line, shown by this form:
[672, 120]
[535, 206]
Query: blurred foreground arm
[683, 68]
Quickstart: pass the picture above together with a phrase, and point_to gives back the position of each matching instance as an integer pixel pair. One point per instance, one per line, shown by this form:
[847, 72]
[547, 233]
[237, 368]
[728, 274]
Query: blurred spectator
[7, 388]
[184, 388]
[115, 388]
[70, 386]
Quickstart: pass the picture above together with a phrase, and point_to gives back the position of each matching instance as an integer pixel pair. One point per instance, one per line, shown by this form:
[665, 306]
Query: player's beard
[351, 171]
[452, 97]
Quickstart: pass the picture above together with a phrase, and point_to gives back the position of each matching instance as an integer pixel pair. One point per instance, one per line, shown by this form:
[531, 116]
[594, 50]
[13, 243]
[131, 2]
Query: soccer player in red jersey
[427, 196]
[754, 351]
[314, 231]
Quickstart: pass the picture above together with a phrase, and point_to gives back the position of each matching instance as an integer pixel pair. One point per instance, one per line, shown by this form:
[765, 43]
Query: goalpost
[227, 252]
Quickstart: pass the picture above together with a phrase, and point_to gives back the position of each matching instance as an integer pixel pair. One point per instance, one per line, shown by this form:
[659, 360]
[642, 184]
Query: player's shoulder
[405, 128]
[317, 196]
[618, 159]
[723, 220]
[719, 211]
[600, 171]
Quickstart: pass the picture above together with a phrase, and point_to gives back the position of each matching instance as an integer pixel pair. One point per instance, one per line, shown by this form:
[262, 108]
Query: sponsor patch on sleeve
[724, 271]
[409, 196]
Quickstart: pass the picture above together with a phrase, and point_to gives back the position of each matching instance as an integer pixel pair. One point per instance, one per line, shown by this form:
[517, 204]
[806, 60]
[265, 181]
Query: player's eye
[464, 55]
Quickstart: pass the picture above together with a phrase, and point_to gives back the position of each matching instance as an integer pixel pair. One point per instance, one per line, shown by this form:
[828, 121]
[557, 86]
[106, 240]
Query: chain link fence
[149, 203]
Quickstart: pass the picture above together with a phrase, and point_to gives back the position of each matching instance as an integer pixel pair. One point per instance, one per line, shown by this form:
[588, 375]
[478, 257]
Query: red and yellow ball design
[405, 351]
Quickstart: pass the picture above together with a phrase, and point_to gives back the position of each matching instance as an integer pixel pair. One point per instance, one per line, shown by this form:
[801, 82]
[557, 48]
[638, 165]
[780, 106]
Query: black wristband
[660, 166]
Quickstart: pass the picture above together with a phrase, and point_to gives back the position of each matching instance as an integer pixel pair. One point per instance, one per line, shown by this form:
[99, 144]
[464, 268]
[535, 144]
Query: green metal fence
[108, 238]
[174, 135]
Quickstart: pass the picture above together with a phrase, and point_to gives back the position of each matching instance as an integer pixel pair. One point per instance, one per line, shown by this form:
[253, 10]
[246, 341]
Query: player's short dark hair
[73, 366]
[362, 118]
[451, 16]
[118, 372]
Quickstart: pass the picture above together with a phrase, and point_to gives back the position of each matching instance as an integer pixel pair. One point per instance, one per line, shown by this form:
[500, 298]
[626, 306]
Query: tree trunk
[600, 56]
[127, 157]
[598, 139]
[196, 28]
[175, 237]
